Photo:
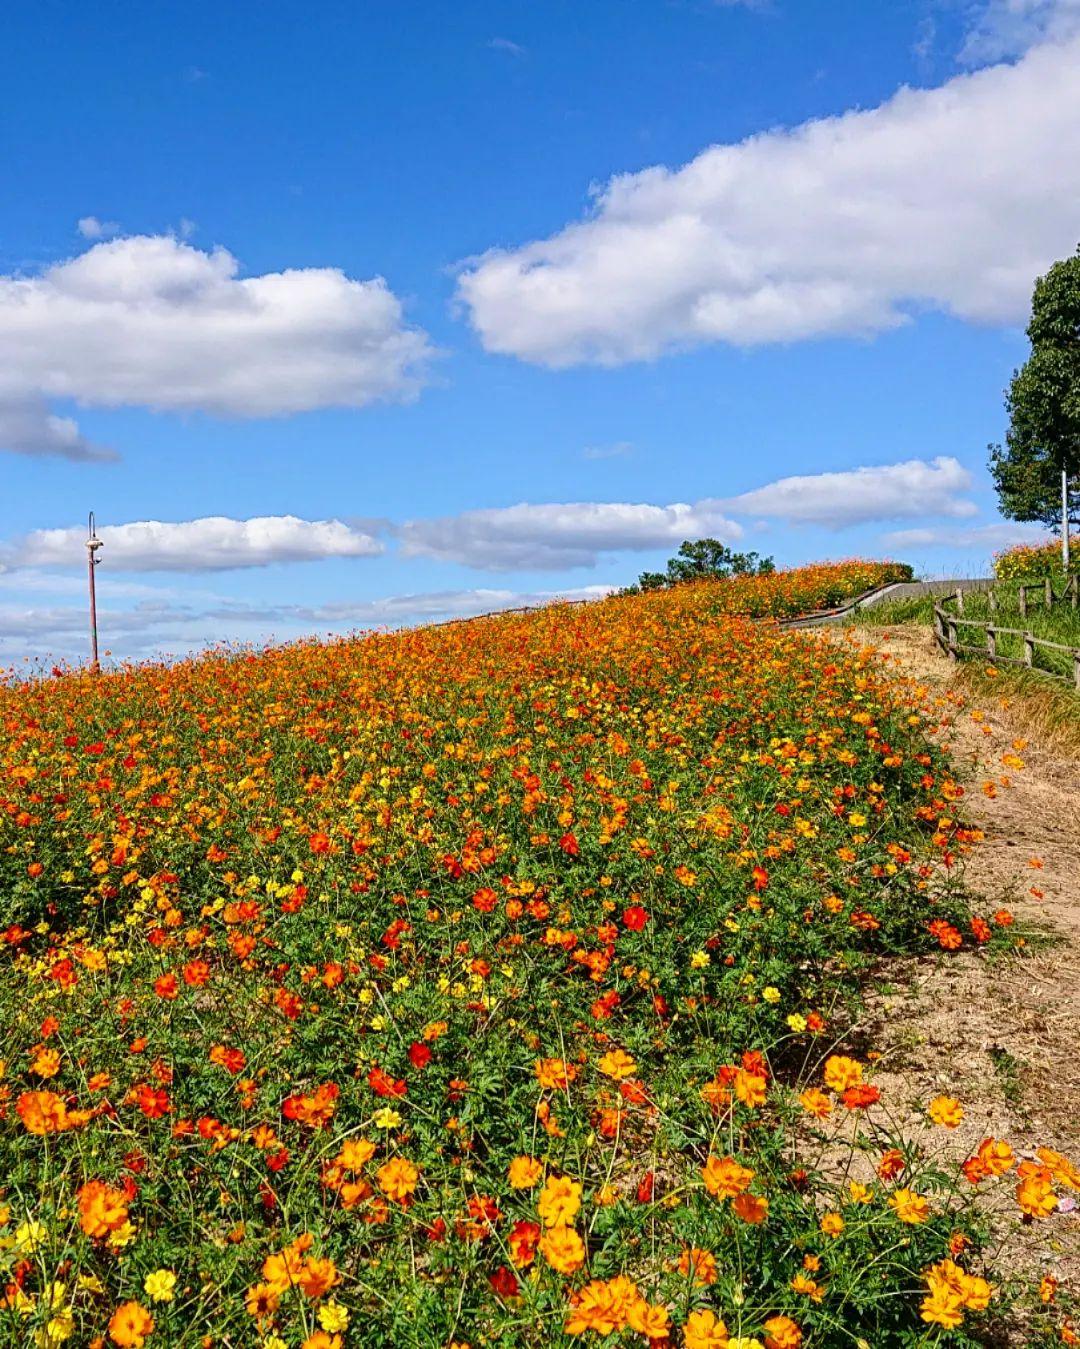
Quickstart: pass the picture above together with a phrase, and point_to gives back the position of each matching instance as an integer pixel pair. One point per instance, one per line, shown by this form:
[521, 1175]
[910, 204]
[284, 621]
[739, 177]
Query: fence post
[952, 638]
[939, 635]
[1029, 650]
[993, 601]
[1074, 588]
[991, 642]
[1023, 601]
[959, 600]
[1049, 592]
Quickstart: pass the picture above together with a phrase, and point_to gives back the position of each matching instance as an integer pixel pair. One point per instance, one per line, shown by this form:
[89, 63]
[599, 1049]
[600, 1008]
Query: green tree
[1035, 470]
[698, 559]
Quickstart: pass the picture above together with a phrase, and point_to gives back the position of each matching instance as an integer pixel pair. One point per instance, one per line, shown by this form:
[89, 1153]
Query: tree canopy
[1043, 403]
[703, 558]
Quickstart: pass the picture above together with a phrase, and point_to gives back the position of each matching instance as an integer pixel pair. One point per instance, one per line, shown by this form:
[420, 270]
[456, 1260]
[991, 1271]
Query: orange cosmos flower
[651, 1321]
[262, 1300]
[563, 1249]
[750, 1088]
[725, 1178]
[356, 1153]
[42, 1112]
[554, 1074]
[946, 1111]
[842, 1072]
[781, 1332]
[618, 1064]
[559, 1201]
[750, 1208]
[525, 1172]
[398, 1178]
[1035, 1195]
[705, 1330]
[699, 1262]
[316, 1277]
[101, 1208]
[891, 1164]
[1064, 1172]
[129, 1325]
[909, 1207]
[523, 1241]
[46, 1063]
[595, 1308]
[815, 1103]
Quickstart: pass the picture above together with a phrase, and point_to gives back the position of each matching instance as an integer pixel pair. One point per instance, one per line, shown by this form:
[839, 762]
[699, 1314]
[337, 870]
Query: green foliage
[1043, 402]
[703, 559]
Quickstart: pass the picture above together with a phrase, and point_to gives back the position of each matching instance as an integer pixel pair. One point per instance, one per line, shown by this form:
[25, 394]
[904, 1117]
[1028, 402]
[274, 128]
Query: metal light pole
[1065, 521]
[93, 543]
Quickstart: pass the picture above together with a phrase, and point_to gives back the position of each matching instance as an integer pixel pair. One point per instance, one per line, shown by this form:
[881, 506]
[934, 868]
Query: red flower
[319, 843]
[504, 1282]
[196, 973]
[419, 1054]
[569, 844]
[861, 1097]
[646, 1188]
[382, 1084]
[635, 917]
[166, 986]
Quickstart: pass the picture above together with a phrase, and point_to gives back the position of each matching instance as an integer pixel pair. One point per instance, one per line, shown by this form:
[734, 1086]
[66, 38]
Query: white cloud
[158, 626]
[150, 321]
[550, 537]
[28, 427]
[90, 227]
[1000, 534]
[952, 198]
[425, 606]
[504, 44]
[916, 488]
[1009, 27]
[213, 543]
[616, 450]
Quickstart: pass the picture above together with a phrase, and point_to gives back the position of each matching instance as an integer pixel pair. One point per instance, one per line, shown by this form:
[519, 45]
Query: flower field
[487, 985]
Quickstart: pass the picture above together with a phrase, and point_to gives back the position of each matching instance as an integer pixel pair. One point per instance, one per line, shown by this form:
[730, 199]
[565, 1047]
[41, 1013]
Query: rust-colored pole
[92, 545]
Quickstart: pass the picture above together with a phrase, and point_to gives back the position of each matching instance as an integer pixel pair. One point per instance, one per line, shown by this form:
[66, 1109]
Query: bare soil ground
[1002, 1035]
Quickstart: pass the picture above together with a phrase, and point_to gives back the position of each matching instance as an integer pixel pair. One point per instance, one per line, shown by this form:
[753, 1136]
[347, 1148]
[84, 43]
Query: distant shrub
[1031, 562]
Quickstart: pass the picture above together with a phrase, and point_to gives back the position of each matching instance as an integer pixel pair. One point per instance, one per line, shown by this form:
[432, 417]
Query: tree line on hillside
[702, 559]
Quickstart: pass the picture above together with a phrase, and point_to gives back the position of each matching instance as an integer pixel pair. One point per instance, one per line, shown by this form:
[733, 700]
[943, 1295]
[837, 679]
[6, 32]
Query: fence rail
[948, 625]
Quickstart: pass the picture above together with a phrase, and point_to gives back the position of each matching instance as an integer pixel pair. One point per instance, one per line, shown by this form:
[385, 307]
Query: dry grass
[1000, 1035]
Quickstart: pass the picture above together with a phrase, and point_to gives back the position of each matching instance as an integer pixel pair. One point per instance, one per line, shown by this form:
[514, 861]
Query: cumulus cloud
[151, 321]
[1000, 534]
[212, 543]
[424, 606]
[155, 627]
[951, 198]
[28, 427]
[1008, 27]
[90, 227]
[914, 488]
[551, 537]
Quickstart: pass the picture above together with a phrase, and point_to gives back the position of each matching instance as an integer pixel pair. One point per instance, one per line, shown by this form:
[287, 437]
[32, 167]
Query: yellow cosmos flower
[159, 1285]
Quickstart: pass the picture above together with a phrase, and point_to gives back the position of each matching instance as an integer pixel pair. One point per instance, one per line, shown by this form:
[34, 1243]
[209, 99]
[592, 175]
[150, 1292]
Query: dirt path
[1002, 1035]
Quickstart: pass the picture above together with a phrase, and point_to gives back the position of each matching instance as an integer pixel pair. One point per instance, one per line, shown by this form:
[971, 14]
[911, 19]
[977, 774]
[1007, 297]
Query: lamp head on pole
[93, 543]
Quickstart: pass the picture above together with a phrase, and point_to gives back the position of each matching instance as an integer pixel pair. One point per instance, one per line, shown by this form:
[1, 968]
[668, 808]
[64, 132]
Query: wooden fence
[948, 624]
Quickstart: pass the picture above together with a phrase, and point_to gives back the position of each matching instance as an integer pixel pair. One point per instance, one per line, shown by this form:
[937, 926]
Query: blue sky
[558, 376]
